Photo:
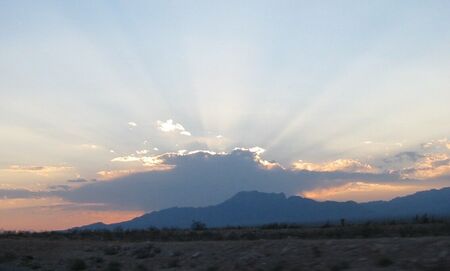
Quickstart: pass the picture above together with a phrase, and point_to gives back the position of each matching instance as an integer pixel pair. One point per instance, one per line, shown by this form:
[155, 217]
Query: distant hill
[256, 208]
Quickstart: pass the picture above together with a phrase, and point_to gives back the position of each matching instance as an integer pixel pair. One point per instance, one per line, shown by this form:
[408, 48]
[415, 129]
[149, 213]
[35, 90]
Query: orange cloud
[45, 214]
[360, 191]
[430, 166]
[38, 170]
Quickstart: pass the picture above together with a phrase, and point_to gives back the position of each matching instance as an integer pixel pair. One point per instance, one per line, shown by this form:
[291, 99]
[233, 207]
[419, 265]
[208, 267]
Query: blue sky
[87, 87]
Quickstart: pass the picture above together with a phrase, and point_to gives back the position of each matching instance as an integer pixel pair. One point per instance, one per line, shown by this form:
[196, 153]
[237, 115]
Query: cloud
[130, 158]
[38, 170]
[132, 124]
[59, 187]
[345, 165]
[116, 173]
[20, 194]
[362, 191]
[186, 133]
[432, 160]
[442, 144]
[408, 156]
[201, 178]
[170, 126]
[429, 166]
[148, 161]
[80, 180]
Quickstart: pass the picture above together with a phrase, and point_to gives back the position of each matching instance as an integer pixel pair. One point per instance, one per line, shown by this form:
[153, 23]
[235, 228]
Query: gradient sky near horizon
[92, 91]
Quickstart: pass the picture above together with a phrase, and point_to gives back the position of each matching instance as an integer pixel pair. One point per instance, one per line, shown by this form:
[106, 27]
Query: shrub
[8, 257]
[316, 252]
[113, 250]
[114, 266]
[340, 266]
[173, 263]
[77, 264]
[384, 261]
[198, 226]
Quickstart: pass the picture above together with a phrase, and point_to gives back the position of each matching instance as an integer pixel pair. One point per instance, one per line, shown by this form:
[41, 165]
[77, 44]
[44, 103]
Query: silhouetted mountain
[256, 208]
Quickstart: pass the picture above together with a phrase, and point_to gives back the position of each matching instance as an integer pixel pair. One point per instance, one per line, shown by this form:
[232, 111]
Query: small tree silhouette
[198, 225]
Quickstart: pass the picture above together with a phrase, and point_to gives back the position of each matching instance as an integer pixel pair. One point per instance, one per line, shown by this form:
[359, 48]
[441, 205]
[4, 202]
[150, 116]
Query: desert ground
[418, 253]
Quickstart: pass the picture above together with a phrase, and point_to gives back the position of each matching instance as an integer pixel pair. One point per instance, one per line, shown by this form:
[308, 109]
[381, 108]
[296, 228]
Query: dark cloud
[79, 180]
[19, 194]
[59, 187]
[408, 156]
[204, 178]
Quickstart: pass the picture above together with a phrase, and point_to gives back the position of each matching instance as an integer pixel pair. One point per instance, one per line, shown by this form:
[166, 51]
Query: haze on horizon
[109, 109]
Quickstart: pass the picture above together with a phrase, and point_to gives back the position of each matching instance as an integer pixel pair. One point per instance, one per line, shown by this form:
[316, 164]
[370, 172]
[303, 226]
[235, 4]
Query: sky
[110, 109]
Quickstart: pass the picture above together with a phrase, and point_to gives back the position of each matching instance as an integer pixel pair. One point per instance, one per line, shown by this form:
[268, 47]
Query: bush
[77, 264]
[8, 257]
[173, 263]
[198, 226]
[113, 250]
[384, 262]
[114, 266]
[340, 266]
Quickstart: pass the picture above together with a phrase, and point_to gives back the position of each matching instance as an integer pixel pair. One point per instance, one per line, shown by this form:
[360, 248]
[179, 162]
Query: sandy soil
[427, 253]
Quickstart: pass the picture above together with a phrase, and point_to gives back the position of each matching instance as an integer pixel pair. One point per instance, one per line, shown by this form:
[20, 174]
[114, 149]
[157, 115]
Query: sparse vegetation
[279, 246]
[112, 250]
[343, 265]
[384, 261]
[173, 263]
[198, 226]
[8, 256]
[212, 268]
[113, 266]
[77, 265]
[418, 226]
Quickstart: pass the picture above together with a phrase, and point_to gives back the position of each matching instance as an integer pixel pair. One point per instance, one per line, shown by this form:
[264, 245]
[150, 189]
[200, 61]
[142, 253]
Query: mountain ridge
[251, 208]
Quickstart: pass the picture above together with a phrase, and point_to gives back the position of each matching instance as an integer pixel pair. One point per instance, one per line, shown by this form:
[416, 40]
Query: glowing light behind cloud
[348, 165]
[361, 192]
[381, 89]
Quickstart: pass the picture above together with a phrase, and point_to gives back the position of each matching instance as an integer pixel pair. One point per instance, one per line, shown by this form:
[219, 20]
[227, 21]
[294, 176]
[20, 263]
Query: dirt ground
[426, 253]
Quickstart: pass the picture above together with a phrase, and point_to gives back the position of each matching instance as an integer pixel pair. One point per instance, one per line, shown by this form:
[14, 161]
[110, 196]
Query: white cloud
[171, 126]
[129, 158]
[132, 124]
[186, 133]
[345, 165]
[147, 161]
[142, 152]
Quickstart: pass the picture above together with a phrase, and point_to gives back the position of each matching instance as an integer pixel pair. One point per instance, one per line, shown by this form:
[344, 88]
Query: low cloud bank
[203, 178]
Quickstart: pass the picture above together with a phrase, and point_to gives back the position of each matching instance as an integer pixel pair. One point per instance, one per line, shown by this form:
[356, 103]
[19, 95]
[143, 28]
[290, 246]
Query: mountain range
[251, 208]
